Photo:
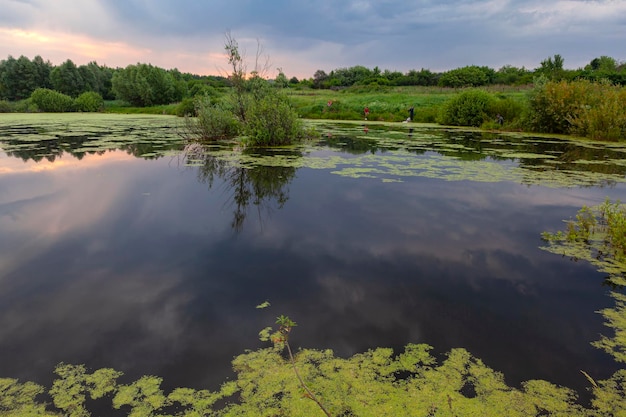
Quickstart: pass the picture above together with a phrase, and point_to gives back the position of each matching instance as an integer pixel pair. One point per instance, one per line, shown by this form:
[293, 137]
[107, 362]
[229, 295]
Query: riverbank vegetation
[587, 102]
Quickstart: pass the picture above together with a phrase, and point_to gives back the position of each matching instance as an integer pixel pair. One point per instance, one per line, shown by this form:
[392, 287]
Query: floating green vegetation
[389, 152]
[597, 235]
[34, 136]
[374, 383]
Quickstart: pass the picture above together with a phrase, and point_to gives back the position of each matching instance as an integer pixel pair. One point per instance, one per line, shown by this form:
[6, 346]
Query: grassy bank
[385, 104]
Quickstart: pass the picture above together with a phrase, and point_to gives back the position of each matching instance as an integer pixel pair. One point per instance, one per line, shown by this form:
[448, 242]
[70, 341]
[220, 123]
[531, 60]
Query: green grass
[121, 107]
[389, 104]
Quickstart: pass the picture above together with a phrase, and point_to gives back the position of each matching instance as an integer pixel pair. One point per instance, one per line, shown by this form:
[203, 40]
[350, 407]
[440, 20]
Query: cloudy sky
[303, 36]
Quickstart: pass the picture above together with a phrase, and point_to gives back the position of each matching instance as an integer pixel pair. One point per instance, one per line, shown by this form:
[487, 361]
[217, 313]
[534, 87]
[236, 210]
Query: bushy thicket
[592, 109]
[5, 107]
[254, 106]
[147, 85]
[213, 121]
[271, 120]
[52, 101]
[470, 108]
[89, 102]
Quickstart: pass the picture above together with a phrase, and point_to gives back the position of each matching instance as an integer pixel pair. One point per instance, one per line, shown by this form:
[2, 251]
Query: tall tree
[145, 85]
[67, 79]
[43, 72]
[552, 68]
[18, 78]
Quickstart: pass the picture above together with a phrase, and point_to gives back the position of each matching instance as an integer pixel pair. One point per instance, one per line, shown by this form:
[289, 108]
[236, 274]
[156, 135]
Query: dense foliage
[89, 101]
[146, 85]
[20, 77]
[51, 101]
[470, 108]
[375, 383]
[214, 121]
[588, 102]
[598, 235]
[254, 106]
[596, 110]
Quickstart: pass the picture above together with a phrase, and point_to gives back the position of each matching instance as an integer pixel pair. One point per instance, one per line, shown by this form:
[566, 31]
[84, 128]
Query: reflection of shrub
[470, 108]
[213, 121]
[51, 101]
[89, 102]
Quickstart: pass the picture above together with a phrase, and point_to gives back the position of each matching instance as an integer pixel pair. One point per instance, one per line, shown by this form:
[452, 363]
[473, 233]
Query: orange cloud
[59, 46]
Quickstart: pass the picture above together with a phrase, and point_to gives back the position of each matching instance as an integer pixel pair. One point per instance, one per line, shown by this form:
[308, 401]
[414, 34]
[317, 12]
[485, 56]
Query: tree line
[600, 68]
[146, 85]
[139, 85]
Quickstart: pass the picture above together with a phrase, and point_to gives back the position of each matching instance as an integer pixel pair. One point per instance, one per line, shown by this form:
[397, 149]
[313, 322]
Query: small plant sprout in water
[280, 339]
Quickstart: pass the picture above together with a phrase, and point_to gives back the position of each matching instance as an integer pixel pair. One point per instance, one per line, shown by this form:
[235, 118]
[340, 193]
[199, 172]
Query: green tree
[44, 68]
[552, 68]
[602, 64]
[67, 79]
[281, 79]
[320, 79]
[509, 75]
[145, 85]
[470, 76]
[18, 78]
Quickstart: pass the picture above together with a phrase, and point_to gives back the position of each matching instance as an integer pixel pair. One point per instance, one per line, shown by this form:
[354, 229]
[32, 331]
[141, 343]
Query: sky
[301, 37]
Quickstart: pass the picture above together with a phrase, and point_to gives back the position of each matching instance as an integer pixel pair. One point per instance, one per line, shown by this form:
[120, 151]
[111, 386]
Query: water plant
[598, 235]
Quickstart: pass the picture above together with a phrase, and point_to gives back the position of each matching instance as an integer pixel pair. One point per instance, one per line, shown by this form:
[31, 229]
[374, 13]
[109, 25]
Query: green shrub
[5, 107]
[553, 105]
[510, 109]
[604, 115]
[470, 108]
[271, 120]
[89, 101]
[187, 107]
[584, 108]
[213, 121]
[48, 100]
[24, 106]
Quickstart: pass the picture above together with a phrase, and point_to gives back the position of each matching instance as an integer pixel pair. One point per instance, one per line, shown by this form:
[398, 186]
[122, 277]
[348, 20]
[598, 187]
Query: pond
[121, 247]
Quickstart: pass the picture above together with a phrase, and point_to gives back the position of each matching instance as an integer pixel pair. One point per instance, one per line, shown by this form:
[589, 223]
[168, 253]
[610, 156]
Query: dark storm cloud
[302, 36]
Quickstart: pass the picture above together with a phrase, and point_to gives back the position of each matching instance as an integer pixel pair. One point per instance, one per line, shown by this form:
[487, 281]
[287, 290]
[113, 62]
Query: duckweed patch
[33, 136]
[389, 152]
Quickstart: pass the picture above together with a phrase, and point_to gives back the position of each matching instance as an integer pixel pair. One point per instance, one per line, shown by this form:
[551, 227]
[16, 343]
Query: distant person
[411, 113]
[366, 111]
[500, 119]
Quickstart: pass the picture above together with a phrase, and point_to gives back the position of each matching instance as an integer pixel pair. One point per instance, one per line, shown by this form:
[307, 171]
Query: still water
[152, 262]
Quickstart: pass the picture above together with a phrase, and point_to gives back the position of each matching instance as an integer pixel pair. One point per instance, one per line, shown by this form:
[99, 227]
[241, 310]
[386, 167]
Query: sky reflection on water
[134, 264]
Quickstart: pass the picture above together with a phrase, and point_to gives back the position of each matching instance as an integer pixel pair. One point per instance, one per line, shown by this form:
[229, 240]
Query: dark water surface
[150, 266]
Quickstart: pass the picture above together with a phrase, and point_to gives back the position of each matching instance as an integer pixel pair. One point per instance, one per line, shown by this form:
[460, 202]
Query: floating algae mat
[389, 152]
[394, 151]
[31, 136]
